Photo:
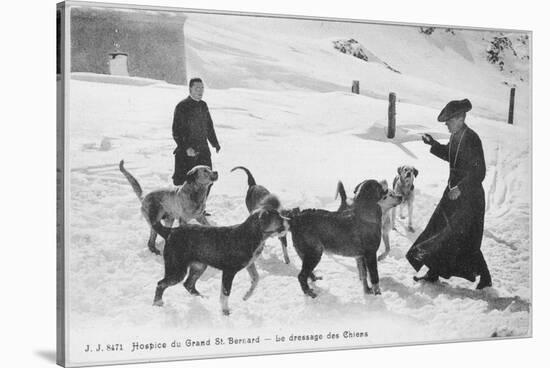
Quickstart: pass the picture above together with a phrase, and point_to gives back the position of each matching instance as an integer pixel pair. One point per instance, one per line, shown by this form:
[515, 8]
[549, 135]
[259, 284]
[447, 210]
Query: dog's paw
[199, 295]
[192, 290]
[155, 251]
[314, 278]
[311, 293]
[158, 303]
[226, 312]
[410, 228]
[484, 284]
[376, 289]
[382, 256]
[418, 279]
[427, 278]
[247, 295]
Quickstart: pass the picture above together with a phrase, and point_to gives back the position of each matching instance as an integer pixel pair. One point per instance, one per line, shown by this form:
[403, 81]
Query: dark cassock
[450, 244]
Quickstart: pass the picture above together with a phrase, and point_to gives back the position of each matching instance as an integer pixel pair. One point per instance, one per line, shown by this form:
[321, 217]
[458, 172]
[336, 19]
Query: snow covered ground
[298, 136]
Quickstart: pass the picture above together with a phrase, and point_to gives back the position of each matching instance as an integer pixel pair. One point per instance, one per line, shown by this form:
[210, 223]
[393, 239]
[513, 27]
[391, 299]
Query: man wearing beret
[450, 245]
[191, 129]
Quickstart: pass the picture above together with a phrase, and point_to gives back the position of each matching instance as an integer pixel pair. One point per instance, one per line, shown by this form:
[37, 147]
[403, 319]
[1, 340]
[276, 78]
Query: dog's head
[369, 191]
[270, 201]
[407, 174]
[272, 223]
[202, 174]
[389, 198]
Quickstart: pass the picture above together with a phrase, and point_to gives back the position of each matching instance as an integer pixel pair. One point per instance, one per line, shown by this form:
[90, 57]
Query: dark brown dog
[387, 203]
[227, 248]
[355, 232]
[256, 196]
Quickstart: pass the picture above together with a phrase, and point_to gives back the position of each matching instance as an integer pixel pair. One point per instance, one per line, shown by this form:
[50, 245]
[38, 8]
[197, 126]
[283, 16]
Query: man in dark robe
[192, 128]
[450, 245]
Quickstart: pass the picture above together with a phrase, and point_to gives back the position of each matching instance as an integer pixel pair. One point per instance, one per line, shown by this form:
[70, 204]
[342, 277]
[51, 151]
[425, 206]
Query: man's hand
[454, 193]
[428, 139]
[218, 148]
[191, 152]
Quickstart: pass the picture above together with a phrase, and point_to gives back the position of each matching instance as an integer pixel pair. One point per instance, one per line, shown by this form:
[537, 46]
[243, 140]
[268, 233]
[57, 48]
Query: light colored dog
[403, 185]
[390, 200]
[182, 203]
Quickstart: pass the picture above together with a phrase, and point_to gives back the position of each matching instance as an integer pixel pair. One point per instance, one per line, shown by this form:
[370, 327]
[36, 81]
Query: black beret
[454, 108]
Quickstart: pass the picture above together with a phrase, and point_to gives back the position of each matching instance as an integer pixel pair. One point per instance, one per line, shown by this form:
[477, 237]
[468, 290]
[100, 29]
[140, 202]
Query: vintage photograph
[241, 184]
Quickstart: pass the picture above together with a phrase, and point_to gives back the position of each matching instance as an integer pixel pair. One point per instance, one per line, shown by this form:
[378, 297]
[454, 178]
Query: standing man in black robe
[450, 245]
[191, 129]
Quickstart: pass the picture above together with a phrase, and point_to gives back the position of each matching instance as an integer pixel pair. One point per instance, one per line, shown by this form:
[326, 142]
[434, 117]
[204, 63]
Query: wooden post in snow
[391, 116]
[511, 110]
[355, 87]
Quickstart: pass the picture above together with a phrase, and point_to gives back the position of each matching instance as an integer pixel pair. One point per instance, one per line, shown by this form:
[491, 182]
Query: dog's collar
[269, 233]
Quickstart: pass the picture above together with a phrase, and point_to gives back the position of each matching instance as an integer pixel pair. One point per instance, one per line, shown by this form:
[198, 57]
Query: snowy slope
[298, 145]
[296, 54]
[298, 136]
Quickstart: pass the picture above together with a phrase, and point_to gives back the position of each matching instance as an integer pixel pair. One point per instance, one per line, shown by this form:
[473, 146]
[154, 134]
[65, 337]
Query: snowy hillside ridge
[429, 30]
[506, 50]
[293, 55]
[354, 48]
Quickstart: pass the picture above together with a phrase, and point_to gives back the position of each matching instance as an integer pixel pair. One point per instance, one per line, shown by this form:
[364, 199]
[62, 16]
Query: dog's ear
[270, 201]
[192, 174]
[380, 189]
[415, 172]
[399, 170]
[261, 215]
[265, 217]
[369, 190]
[358, 186]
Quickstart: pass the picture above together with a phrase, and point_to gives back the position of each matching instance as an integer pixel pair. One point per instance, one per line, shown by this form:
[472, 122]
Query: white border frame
[29, 306]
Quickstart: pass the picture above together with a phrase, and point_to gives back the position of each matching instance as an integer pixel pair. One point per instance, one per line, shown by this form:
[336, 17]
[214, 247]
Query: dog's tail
[340, 190]
[343, 196]
[251, 180]
[162, 230]
[133, 182]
